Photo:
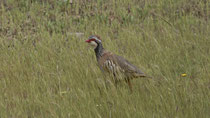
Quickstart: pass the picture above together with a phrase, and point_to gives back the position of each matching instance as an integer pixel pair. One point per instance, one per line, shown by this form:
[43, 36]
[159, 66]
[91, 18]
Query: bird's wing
[127, 66]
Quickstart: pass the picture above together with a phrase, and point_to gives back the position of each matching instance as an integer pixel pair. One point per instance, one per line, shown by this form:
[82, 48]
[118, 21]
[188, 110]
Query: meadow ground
[47, 71]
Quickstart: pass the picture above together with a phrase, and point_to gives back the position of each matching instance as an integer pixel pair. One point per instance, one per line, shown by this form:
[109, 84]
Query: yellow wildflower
[184, 75]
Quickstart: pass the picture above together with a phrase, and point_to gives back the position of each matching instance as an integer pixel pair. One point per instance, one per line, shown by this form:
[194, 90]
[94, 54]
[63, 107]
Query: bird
[115, 65]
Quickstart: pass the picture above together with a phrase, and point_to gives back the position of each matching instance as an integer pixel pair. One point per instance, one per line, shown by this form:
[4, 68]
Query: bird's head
[94, 40]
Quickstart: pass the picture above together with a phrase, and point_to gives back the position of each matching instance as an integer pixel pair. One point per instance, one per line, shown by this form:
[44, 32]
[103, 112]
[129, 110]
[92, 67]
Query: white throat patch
[93, 44]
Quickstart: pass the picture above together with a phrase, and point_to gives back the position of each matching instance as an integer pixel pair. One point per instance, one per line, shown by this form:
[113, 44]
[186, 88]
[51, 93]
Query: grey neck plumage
[99, 50]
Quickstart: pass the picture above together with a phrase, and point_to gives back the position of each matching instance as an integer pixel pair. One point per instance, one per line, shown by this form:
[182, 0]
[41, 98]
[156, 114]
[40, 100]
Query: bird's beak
[88, 41]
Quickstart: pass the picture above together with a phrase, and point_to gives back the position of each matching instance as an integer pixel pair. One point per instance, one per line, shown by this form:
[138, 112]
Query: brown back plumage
[111, 63]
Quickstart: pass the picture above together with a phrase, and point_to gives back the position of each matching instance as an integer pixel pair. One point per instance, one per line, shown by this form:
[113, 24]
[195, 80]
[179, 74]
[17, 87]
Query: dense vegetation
[47, 70]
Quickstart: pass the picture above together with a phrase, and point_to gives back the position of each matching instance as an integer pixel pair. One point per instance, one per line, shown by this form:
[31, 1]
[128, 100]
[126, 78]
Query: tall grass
[47, 71]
